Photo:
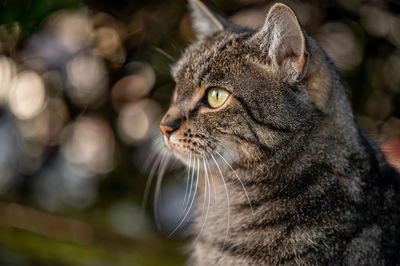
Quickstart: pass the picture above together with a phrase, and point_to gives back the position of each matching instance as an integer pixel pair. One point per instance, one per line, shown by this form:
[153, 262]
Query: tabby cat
[285, 175]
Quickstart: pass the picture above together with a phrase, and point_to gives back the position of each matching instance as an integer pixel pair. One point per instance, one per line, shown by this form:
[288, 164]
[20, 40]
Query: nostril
[167, 129]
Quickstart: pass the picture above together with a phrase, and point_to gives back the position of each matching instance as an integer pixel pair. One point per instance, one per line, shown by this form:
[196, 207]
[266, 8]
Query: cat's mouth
[184, 143]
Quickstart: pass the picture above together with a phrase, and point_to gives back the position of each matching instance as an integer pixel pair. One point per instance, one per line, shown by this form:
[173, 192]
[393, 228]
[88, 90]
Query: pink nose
[166, 130]
[170, 122]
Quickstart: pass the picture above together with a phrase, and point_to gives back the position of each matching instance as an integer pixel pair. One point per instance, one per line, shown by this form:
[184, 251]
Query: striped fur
[320, 192]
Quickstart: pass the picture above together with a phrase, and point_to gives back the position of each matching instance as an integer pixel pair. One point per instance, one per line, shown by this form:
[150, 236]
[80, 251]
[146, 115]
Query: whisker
[155, 149]
[212, 178]
[188, 176]
[209, 197]
[204, 198]
[191, 183]
[150, 180]
[192, 201]
[227, 198]
[174, 162]
[244, 189]
[160, 176]
[164, 53]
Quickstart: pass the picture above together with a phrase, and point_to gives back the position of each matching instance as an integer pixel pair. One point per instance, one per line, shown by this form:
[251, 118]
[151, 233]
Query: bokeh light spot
[71, 29]
[27, 97]
[340, 43]
[90, 142]
[46, 128]
[137, 120]
[87, 76]
[106, 42]
[8, 70]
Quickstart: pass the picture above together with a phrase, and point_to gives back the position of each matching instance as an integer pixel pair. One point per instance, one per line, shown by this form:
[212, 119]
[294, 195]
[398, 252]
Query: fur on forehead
[201, 52]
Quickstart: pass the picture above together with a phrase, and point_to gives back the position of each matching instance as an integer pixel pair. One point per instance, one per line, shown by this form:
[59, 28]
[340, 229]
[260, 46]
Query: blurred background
[83, 85]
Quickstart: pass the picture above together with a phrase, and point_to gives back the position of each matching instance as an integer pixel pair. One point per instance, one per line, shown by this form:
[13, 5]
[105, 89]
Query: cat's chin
[184, 158]
[179, 152]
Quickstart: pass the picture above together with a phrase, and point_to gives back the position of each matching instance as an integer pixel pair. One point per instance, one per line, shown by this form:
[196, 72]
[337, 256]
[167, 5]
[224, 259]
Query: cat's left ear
[283, 40]
[205, 21]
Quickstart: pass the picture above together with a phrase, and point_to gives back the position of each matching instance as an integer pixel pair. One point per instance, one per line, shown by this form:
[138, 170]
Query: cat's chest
[223, 204]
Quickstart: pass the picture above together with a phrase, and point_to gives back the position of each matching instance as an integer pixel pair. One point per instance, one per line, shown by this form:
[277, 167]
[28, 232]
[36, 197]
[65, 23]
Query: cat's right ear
[205, 21]
[282, 40]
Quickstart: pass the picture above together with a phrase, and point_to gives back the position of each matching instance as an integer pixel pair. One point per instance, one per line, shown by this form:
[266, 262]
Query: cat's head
[242, 92]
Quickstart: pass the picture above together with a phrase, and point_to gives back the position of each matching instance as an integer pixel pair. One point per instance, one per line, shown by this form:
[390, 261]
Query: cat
[284, 173]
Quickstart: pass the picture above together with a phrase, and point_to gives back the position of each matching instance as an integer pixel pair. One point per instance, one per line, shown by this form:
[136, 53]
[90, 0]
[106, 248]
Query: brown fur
[320, 192]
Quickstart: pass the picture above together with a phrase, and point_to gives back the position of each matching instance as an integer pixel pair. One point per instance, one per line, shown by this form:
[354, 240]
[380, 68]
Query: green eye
[216, 97]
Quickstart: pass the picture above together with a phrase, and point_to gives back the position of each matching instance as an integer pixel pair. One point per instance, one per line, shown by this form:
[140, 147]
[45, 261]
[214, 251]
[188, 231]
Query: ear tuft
[204, 20]
[283, 40]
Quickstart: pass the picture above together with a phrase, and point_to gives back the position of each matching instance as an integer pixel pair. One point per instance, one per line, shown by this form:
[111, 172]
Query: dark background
[83, 85]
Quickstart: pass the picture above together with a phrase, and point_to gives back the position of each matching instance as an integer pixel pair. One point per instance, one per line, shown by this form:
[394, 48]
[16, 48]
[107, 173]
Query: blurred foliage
[30, 13]
[45, 251]
[83, 85]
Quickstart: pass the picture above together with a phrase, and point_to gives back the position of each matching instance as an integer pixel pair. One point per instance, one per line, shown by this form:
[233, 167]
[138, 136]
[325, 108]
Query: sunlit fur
[282, 171]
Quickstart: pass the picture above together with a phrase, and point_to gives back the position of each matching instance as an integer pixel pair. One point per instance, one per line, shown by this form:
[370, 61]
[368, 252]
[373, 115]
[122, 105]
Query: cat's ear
[283, 40]
[205, 21]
